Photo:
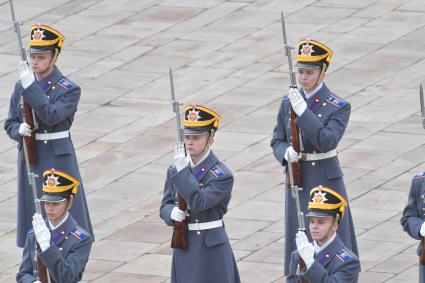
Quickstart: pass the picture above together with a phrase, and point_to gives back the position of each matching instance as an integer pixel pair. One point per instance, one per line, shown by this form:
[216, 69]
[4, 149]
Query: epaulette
[419, 176]
[65, 83]
[343, 255]
[335, 101]
[78, 232]
[216, 171]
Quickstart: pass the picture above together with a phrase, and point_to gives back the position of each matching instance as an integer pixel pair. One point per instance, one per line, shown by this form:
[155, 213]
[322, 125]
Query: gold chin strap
[322, 74]
[55, 58]
[71, 200]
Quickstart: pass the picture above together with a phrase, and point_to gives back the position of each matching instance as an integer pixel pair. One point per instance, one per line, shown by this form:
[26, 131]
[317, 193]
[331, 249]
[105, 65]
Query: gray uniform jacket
[207, 190]
[65, 259]
[334, 264]
[322, 126]
[414, 215]
[54, 100]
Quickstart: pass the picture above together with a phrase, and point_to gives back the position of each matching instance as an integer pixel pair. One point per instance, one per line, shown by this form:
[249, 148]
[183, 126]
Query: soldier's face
[308, 78]
[56, 210]
[322, 228]
[40, 62]
[197, 145]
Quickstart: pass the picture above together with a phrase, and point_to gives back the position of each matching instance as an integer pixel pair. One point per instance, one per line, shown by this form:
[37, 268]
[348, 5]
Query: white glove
[180, 159]
[177, 214]
[297, 101]
[422, 231]
[305, 249]
[25, 130]
[42, 233]
[291, 155]
[26, 75]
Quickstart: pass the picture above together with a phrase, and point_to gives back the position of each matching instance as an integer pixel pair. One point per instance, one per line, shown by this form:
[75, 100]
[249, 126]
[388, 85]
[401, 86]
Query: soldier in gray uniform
[327, 259]
[413, 218]
[64, 245]
[54, 99]
[206, 185]
[322, 118]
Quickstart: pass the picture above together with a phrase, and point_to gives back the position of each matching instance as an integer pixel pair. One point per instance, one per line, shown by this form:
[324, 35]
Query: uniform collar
[202, 168]
[53, 77]
[318, 249]
[329, 252]
[313, 92]
[193, 165]
[61, 231]
[53, 227]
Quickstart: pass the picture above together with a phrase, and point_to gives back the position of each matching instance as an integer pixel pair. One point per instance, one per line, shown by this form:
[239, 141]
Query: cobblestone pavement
[228, 55]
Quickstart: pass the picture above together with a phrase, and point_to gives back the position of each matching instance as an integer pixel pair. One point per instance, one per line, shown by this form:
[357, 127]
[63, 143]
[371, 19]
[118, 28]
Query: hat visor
[42, 49]
[194, 131]
[319, 213]
[52, 198]
[304, 65]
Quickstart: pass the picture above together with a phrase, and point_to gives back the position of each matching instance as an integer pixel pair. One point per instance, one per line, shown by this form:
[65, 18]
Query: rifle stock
[43, 275]
[422, 257]
[30, 141]
[179, 238]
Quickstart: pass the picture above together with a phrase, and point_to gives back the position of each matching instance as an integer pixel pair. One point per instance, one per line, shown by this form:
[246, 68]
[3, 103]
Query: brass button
[66, 238]
[324, 104]
[314, 151]
[196, 220]
[320, 115]
[45, 142]
[53, 87]
[45, 131]
[49, 82]
[313, 163]
[60, 249]
[198, 232]
[63, 232]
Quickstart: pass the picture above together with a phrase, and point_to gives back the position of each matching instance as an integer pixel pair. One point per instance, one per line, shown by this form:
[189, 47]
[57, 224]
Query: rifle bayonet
[288, 48]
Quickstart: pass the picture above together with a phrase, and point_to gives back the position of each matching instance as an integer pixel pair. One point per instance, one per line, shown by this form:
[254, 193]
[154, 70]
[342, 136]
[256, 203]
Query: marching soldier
[54, 99]
[413, 218]
[322, 118]
[327, 259]
[64, 245]
[206, 185]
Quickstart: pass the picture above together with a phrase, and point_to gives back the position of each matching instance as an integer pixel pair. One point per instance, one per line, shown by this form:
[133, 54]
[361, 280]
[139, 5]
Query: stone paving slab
[228, 55]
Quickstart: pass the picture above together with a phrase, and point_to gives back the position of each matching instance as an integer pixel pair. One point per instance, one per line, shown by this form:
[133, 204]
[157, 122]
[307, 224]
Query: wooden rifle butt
[422, 257]
[179, 238]
[42, 271]
[30, 141]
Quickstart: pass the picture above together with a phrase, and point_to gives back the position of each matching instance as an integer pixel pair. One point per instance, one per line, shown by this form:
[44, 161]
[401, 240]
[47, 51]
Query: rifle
[294, 168]
[422, 100]
[28, 144]
[179, 238]
[29, 115]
